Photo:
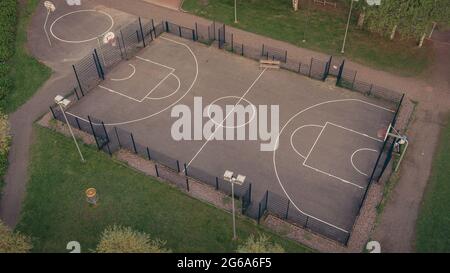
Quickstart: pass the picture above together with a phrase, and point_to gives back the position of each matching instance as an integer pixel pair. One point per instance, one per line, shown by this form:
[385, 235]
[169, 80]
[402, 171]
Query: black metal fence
[137, 35]
[171, 169]
[282, 207]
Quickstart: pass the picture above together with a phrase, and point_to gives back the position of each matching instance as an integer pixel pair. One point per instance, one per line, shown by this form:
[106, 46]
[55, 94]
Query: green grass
[27, 73]
[433, 223]
[55, 211]
[322, 30]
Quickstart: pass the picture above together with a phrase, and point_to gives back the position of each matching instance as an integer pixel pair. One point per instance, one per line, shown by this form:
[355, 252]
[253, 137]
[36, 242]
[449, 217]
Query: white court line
[176, 90]
[159, 112]
[118, 93]
[129, 77]
[81, 41]
[278, 140]
[295, 131]
[355, 152]
[356, 132]
[232, 110]
[326, 173]
[156, 86]
[153, 62]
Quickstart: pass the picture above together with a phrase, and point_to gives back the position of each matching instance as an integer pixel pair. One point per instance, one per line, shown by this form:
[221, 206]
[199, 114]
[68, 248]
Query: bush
[118, 239]
[260, 245]
[13, 242]
[8, 18]
[5, 141]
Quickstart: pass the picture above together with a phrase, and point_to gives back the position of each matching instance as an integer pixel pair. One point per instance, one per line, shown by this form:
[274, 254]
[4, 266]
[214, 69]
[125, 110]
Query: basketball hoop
[110, 38]
[382, 133]
[91, 196]
[49, 6]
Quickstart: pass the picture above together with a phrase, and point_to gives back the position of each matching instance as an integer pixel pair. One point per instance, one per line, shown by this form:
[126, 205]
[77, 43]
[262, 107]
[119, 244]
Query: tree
[13, 242]
[409, 18]
[260, 245]
[118, 239]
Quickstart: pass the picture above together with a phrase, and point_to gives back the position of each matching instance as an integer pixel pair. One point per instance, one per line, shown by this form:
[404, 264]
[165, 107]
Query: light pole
[64, 103]
[239, 180]
[348, 23]
[235, 12]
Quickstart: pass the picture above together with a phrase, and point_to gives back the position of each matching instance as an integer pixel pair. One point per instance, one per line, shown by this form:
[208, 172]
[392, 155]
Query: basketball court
[327, 142]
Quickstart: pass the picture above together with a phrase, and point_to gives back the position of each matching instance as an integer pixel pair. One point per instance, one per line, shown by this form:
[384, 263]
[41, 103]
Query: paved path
[396, 230]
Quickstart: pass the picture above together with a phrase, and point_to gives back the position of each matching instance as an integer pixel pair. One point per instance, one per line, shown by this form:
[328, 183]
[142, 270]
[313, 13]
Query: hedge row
[8, 21]
[5, 141]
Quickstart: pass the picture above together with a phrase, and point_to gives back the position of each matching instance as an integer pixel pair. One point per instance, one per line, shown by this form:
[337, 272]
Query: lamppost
[370, 3]
[64, 103]
[235, 12]
[348, 23]
[239, 180]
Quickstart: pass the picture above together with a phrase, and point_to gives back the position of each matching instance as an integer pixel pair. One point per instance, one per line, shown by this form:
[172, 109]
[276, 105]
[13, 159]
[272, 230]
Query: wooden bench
[269, 64]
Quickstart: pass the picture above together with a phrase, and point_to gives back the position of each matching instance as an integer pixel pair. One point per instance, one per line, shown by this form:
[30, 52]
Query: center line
[221, 124]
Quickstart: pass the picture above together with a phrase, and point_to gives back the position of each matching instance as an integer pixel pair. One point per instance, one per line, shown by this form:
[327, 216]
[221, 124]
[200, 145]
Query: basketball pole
[45, 27]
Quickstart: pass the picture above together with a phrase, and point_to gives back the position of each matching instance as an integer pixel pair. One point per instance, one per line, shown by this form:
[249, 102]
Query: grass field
[322, 29]
[433, 224]
[55, 211]
[27, 73]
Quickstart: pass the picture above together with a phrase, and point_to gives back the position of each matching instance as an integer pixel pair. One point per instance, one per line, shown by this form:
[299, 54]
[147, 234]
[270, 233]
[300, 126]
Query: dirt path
[396, 230]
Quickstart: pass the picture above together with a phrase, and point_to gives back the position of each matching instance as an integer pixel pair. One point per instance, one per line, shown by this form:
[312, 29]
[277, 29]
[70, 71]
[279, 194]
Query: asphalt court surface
[336, 142]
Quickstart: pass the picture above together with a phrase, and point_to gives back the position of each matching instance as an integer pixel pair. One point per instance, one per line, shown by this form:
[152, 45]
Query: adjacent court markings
[169, 106]
[295, 131]
[274, 161]
[357, 151]
[86, 40]
[153, 89]
[128, 77]
[232, 110]
[232, 127]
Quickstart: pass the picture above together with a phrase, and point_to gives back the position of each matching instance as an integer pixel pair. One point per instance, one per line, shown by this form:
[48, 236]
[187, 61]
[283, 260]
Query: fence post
[262, 50]
[117, 135]
[78, 80]
[267, 198]
[370, 90]
[76, 93]
[217, 183]
[148, 154]
[250, 193]
[53, 113]
[354, 78]
[232, 43]
[310, 67]
[242, 49]
[193, 35]
[178, 166]
[102, 73]
[341, 69]
[196, 31]
[185, 170]
[142, 32]
[209, 33]
[93, 132]
[259, 212]
[134, 144]
[104, 130]
[179, 31]
[156, 169]
[285, 56]
[153, 28]
[287, 209]
[306, 223]
[299, 67]
[187, 184]
[78, 123]
[214, 29]
[124, 45]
